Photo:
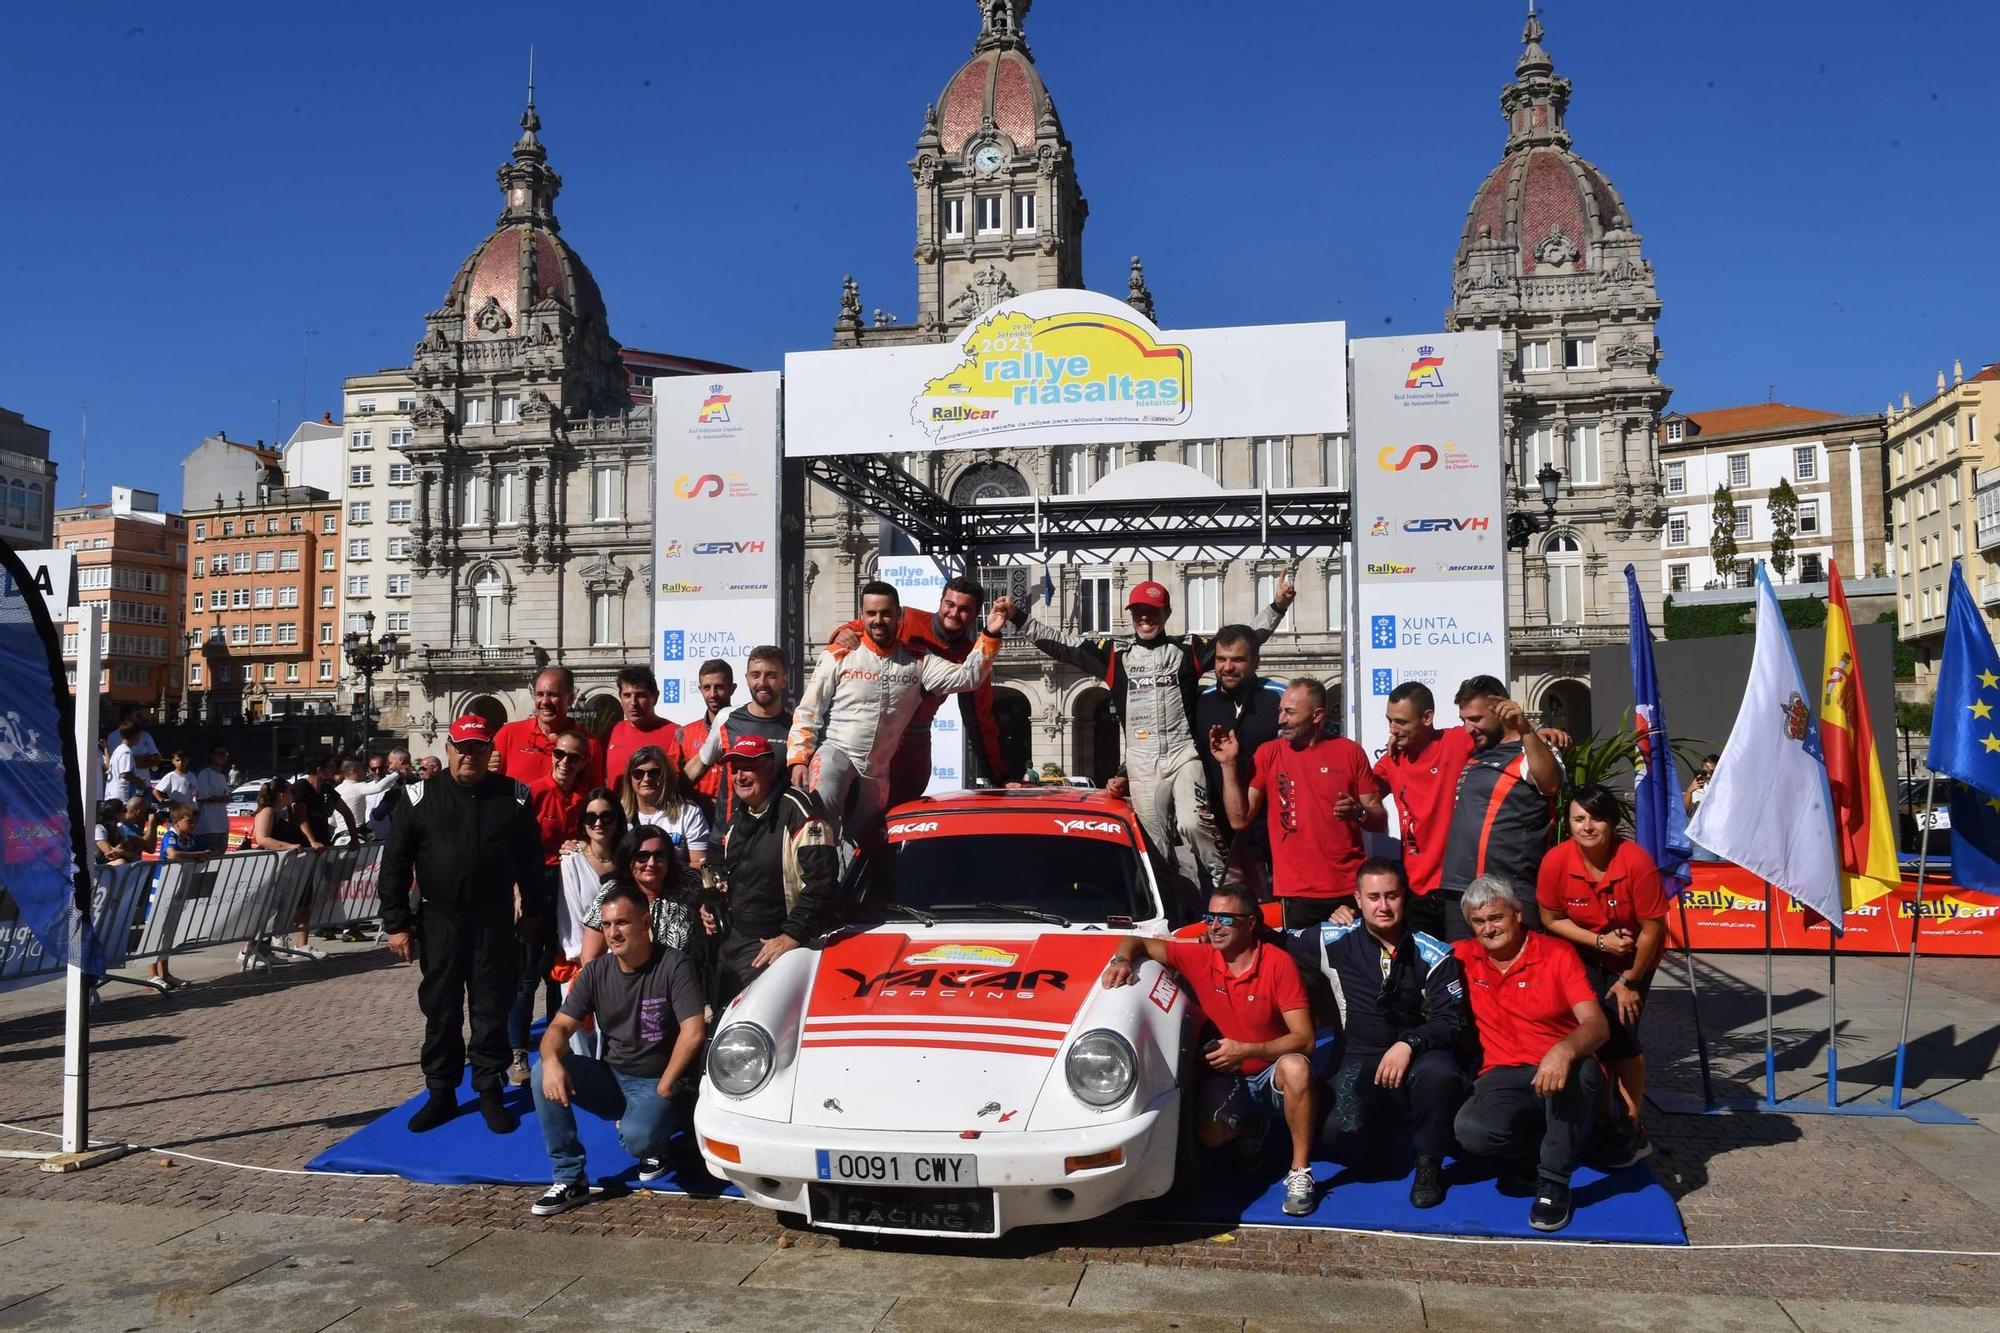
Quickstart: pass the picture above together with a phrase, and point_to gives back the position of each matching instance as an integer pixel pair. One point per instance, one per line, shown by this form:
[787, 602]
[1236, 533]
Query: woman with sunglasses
[589, 866]
[646, 860]
[1602, 893]
[656, 794]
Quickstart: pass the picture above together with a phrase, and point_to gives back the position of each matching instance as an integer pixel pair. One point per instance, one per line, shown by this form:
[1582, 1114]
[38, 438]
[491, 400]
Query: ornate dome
[998, 86]
[525, 262]
[1546, 205]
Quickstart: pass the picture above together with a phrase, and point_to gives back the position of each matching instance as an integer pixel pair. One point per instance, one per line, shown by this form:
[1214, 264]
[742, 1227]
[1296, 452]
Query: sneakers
[560, 1198]
[517, 1073]
[253, 957]
[1301, 1191]
[311, 951]
[1427, 1190]
[1551, 1209]
[1632, 1147]
[1518, 1179]
[437, 1108]
[493, 1107]
[651, 1169]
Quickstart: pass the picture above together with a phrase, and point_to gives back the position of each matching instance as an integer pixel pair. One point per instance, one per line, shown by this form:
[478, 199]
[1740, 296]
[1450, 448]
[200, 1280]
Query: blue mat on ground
[1627, 1205]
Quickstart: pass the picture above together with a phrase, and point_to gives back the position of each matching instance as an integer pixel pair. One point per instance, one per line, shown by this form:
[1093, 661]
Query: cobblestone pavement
[267, 1070]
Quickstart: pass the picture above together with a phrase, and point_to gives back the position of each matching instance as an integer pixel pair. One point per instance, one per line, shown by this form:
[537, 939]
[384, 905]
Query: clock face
[986, 158]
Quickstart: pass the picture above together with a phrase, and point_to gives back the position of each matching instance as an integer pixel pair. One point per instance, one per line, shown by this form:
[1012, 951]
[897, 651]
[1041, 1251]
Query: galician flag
[1659, 820]
[1768, 807]
[1863, 828]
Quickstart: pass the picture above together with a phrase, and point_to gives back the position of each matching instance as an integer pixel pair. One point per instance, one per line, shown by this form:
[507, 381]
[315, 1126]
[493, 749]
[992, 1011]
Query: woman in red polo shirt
[1602, 893]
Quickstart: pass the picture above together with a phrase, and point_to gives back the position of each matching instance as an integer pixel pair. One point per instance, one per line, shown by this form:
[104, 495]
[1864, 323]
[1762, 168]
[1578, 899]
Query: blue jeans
[645, 1118]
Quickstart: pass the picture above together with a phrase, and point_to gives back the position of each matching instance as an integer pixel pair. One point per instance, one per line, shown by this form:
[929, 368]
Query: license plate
[965, 1212]
[902, 1169]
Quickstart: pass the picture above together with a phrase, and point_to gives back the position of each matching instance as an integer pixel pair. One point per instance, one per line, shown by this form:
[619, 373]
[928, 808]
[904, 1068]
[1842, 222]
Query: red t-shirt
[1314, 852]
[628, 738]
[1628, 894]
[1423, 786]
[1521, 1013]
[1249, 1006]
[526, 751]
[558, 814]
[692, 736]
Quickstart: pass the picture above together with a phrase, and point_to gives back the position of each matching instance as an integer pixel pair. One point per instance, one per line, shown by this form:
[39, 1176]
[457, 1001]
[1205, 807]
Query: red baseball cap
[1151, 594]
[745, 748]
[472, 729]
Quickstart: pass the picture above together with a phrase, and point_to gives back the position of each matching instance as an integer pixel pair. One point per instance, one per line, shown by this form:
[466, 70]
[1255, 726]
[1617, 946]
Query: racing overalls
[910, 771]
[1154, 685]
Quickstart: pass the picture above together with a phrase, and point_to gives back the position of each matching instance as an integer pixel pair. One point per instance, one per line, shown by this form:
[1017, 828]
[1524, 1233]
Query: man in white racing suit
[859, 703]
[1155, 678]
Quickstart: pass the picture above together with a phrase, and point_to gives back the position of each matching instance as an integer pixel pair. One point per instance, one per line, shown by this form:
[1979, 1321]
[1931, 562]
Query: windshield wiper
[1032, 913]
[924, 917]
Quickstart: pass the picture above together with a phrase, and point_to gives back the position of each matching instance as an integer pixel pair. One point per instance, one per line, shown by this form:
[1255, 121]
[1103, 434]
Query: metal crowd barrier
[150, 910]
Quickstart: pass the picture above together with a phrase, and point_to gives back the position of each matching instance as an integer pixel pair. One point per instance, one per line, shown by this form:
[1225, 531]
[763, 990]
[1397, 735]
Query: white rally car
[957, 1069]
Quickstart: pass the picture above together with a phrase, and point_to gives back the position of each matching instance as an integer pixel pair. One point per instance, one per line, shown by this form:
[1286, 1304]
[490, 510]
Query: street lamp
[1548, 479]
[367, 655]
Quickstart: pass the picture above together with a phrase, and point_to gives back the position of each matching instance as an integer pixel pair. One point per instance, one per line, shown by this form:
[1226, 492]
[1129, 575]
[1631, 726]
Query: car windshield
[1007, 877]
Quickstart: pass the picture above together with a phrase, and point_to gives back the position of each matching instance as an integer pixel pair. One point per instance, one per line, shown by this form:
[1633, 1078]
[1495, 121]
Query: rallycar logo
[984, 955]
[918, 826]
[1090, 826]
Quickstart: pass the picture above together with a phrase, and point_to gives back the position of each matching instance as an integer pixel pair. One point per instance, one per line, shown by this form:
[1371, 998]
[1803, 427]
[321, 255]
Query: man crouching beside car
[1256, 1026]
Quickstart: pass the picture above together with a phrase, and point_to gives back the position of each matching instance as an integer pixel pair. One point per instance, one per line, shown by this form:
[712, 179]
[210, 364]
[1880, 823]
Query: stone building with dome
[501, 483]
[1550, 259]
[1000, 212]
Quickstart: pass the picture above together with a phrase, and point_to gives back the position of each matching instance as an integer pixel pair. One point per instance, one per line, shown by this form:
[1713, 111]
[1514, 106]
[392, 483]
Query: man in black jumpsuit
[1404, 1022]
[469, 839]
[780, 861]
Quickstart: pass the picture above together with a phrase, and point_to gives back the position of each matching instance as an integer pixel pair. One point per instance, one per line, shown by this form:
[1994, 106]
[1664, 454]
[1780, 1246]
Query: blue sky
[190, 193]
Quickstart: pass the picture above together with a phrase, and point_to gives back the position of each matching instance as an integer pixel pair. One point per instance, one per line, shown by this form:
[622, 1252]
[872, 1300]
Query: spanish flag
[1864, 833]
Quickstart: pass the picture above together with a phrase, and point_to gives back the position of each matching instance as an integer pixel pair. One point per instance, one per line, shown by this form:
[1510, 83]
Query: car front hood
[938, 1032]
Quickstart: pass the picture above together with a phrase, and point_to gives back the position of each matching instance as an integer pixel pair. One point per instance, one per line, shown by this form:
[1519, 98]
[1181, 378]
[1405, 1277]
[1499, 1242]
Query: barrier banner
[715, 526]
[920, 583]
[1726, 905]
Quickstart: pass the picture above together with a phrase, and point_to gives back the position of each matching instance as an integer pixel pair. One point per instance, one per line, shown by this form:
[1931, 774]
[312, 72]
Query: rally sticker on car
[983, 954]
[1165, 991]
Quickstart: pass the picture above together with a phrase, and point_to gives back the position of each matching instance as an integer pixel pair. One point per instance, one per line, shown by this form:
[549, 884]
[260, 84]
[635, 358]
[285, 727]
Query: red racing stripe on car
[939, 1043]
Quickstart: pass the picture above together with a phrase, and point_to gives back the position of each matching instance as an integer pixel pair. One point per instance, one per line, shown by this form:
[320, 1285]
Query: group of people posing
[1477, 980]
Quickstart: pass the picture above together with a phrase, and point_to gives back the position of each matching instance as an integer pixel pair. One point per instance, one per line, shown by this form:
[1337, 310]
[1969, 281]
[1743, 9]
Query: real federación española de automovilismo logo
[1069, 369]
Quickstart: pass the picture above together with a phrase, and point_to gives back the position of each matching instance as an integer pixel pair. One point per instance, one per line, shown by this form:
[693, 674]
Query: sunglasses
[650, 854]
[1222, 918]
[569, 756]
[646, 774]
[600, 816]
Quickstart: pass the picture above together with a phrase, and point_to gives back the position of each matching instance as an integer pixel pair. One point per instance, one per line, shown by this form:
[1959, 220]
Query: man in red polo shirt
[557, 804]
[642, 725]
[1320, 796]
[524, 749]
[1257, 1030]
[1539, 1024]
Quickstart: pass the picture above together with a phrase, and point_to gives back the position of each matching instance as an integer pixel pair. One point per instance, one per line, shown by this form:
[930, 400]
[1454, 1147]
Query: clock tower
[999, 211]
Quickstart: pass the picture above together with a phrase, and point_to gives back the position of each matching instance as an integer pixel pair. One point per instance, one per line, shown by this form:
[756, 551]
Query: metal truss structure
[1180, 527]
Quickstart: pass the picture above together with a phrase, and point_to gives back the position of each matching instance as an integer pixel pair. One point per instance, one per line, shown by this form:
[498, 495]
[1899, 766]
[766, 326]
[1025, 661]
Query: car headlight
[1101, 1068]
[739, 1059]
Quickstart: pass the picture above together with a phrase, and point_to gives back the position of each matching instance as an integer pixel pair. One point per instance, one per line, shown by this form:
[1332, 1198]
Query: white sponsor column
[1430, 530]
[715, 527]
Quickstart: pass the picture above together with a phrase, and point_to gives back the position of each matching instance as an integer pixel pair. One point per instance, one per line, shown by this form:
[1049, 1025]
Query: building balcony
[468, 662]
[1566, 638]
[1989, 592]
[1986, 533]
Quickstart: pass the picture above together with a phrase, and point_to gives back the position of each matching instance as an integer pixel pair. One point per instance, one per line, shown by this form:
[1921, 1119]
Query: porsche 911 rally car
[956, 1068]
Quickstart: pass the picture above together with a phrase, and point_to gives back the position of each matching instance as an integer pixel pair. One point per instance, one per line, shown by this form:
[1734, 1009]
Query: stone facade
[27, 483]
[1937, 450]
[1000, 212]
[1550, 259]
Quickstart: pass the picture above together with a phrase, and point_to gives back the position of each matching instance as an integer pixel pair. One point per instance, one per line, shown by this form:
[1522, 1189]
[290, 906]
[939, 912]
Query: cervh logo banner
[715, 526]
[1066, 367]
[1430, 528]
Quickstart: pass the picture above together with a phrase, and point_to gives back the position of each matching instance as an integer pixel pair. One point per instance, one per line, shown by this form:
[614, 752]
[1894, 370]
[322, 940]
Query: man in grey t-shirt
[648, 1006]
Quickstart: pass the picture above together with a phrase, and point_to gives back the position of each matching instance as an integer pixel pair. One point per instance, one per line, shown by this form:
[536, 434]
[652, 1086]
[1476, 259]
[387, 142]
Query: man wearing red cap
[779, 863]
[470, 836]
[1155, 678]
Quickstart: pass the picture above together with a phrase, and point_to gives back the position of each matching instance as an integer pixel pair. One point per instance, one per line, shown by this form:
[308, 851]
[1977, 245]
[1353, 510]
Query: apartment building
[131, 560]
[1936, 450]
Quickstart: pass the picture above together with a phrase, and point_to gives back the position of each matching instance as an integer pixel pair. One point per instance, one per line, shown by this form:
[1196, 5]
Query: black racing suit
[1413, 993]
[468, 848]
[782, 865]
[1251, 712]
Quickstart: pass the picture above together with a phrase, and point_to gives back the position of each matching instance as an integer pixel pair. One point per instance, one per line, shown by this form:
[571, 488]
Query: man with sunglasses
[1257, 1032]
[470, 837]
[1319, 794]
[557, 801]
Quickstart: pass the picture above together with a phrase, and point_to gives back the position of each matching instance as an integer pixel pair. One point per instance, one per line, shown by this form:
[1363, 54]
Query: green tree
[1722, 536]
[1784, 505]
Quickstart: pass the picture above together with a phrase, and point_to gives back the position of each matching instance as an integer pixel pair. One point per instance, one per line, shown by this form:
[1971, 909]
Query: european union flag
[1975, 837]
[1965, 717]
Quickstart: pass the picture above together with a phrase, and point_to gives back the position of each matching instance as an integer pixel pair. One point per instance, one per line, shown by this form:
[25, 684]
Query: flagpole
[1832, 1020]
[1916, 928]
[1694, 1002]
[1770, 1050]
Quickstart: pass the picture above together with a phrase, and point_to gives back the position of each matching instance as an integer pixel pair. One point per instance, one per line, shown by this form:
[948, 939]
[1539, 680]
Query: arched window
[1565, 565]
[489, 608]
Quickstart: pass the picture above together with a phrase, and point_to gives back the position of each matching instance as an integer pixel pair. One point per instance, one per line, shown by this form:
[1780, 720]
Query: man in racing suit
[1155, 678]
[1404, 1024]
[780, 866]
[947, 633]
[858, 704]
